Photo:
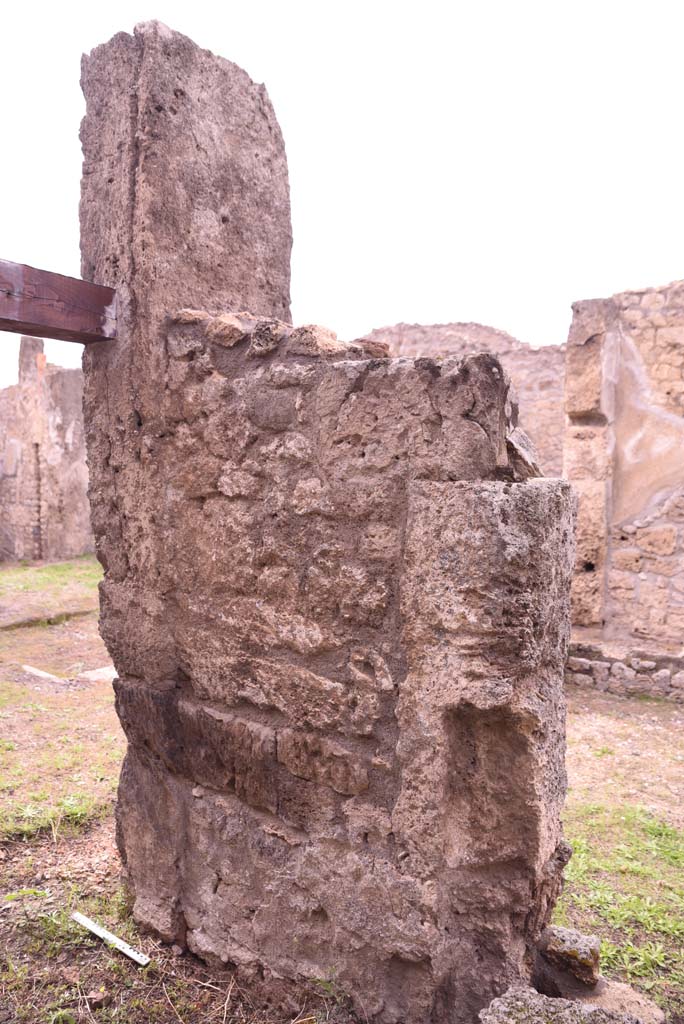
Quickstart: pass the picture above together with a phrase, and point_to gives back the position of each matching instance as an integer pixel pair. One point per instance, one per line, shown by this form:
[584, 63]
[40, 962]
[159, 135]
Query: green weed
[68, 814]
[21, 893]
[625, 883]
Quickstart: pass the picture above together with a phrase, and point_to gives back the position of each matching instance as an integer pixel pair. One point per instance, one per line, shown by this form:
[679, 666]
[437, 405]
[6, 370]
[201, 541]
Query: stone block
[600, 670]
[672, 567]
[582, 679]
[321, 760]
[661, 680]
[586, 452]
[591, 522]
[611, 1002]
[624, 582]
[584, 378]
[579, 664]
[587, 598]
[570, 951]
[675, 623]
[536, 374]
[621, 671]
[671, 337]
[626, 559]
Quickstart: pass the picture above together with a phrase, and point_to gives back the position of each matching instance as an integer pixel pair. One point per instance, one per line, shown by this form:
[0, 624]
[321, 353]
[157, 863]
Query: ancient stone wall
[44, 510]
[624, 452]
[537, 374]
[621, 447]
[624, 671]
[336, 603]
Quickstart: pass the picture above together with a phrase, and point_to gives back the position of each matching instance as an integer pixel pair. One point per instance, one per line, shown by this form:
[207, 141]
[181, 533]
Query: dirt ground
[60, 752]
[626, 751]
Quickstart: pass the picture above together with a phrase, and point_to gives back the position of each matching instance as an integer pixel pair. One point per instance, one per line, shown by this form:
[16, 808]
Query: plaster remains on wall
[624, 451]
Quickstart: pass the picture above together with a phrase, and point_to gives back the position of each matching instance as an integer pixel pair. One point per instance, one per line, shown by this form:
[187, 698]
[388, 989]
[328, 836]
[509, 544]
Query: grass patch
[52, 933]
[59, 771]
[49, 593]
[65, 816]
[625, 882]
[23, 578]
[55, 962]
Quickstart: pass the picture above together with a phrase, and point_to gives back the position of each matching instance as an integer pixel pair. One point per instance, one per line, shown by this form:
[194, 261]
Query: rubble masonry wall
[623, 452]
[620, 380]
[337, 608]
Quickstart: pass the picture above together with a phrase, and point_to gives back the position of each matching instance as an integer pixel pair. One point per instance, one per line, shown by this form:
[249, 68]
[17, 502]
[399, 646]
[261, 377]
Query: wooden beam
[46, 305]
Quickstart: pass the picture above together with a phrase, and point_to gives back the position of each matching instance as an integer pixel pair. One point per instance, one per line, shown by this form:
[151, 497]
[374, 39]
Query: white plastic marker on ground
[106, 674]
[39, 674]
[112, 939]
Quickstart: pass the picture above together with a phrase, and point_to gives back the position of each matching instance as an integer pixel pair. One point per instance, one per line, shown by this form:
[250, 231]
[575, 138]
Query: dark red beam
[47, 305]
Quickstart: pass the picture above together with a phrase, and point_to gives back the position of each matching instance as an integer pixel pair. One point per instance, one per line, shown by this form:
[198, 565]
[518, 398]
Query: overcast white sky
[488, 161]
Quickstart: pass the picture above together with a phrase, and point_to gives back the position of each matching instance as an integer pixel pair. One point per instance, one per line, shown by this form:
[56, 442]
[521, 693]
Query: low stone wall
[625, 673]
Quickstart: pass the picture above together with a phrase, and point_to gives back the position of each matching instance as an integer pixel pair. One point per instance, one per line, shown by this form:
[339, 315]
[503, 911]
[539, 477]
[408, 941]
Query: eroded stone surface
[605, 994]
[571, 951]
[337, 613]
[622, 386]
[623, 453]
[525, 1006]
[537, 374]
[617, 997]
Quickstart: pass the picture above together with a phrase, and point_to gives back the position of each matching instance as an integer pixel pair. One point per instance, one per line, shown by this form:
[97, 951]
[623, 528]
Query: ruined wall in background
[44, 510]
[646, 585]
[624, 451]
[331, 598]
[537, 374]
